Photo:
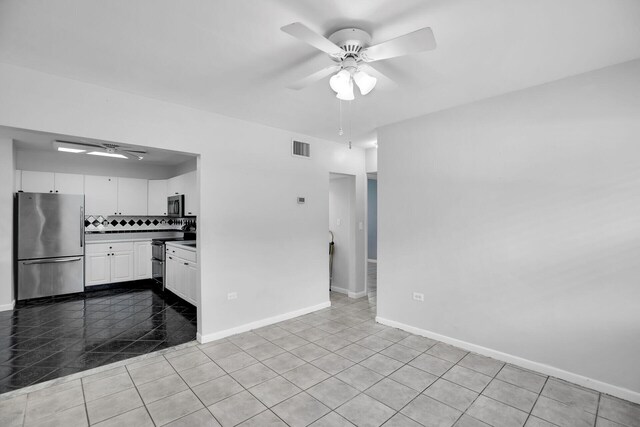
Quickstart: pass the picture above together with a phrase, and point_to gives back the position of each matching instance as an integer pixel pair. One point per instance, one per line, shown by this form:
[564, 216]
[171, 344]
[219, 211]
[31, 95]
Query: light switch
[338, 222]
[361, 225]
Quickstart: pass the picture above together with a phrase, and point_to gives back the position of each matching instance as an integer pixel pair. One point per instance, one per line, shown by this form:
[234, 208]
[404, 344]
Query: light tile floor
[372, 279]
[334, 367]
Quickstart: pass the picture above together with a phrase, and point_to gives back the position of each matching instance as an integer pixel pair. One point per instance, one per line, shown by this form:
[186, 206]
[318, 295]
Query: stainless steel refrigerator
[49, 244]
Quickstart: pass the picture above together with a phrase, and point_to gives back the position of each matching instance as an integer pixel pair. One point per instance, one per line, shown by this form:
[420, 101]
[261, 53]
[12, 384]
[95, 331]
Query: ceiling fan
[351, 49]
[105, 149]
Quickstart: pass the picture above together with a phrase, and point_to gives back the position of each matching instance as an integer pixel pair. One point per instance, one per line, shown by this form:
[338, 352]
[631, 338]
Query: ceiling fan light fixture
[339, 82]
[346, 94]
[365, 82]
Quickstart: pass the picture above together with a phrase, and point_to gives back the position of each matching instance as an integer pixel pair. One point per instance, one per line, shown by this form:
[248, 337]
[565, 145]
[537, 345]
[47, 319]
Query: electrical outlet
[232, 295]
[418, 296]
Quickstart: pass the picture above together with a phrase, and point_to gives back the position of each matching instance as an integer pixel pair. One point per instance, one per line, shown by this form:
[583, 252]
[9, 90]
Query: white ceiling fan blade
[384, 82]
[304, 33]
[416, 41]
[312, 78]
[83, 144]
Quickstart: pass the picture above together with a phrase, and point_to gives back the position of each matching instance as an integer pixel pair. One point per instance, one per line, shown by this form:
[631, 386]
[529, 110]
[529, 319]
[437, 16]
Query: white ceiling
[230, 57]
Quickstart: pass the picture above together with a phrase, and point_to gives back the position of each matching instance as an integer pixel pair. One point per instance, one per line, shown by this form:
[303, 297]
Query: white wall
[254, 239]
[48, 161]
[342, 210]
[6, 225]
[371, 159]
[518, 217]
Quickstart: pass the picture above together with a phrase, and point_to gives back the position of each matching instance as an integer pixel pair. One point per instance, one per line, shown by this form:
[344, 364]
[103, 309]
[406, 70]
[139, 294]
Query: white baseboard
[600, 386]
[373, 260]
[10, 306]
[339, 290]
[259, 323]
[347, 292]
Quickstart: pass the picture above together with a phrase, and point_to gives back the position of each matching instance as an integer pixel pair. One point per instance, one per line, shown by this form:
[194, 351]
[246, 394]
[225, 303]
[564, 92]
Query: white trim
[348, 293]
[6, 307]
[202, 339]
[600, 386]
[357, 294]
[375, 261]
[339, 290]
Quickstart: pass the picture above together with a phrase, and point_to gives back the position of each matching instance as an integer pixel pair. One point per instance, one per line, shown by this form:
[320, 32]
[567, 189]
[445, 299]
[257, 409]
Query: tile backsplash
[101, 224]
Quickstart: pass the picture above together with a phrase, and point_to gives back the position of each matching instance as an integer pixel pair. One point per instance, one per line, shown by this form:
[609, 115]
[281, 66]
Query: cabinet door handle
[81, 226]
[186, 263]
[52, 261]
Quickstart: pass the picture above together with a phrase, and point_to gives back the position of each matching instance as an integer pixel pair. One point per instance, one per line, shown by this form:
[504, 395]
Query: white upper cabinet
[69, 183]
[191, 194]
[131, 196]
[49, 182]
[157, 197]
[186, 184]
[175, 185]
[100, 195]
[38, 182]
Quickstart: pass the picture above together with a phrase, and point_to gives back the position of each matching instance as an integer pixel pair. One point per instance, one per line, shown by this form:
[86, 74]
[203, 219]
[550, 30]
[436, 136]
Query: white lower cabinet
[182, 273]
[121, 266]
[111, 263]
[142, 262]
[97, 268]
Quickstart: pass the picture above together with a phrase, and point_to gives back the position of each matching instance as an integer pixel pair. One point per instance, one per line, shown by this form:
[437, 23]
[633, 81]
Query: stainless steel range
[158, 254]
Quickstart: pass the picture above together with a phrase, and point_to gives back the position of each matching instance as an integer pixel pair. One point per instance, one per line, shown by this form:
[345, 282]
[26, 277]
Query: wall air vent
[300, 149]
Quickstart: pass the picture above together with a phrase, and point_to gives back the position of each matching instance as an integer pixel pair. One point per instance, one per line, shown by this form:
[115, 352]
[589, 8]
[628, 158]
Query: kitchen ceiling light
[102, 153]
[71, 150]
[365, 82]
[68, 147]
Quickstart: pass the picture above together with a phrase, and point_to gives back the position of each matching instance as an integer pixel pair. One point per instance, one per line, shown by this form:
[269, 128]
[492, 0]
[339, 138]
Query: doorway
[372, 234]
[342, 229]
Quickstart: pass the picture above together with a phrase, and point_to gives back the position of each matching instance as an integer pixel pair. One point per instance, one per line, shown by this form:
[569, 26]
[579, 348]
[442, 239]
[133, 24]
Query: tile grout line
[529, 415]
[194, 393]
[495, 376]
[84, 401]
[595, 423]
[144, 404]
[422, 392]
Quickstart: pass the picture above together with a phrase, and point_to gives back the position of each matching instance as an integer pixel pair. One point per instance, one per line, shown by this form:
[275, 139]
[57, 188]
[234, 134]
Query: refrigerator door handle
[81, 226]
[51, 261]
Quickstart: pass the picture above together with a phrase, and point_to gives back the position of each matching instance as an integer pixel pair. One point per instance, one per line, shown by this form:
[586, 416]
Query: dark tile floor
[48, 339]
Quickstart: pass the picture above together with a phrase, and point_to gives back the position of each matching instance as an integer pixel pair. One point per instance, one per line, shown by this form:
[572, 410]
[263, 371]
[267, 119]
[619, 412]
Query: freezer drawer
[51, 276]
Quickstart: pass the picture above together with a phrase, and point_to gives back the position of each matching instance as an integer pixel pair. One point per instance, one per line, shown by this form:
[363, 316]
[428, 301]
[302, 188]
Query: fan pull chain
[350, 122]
[340, 131]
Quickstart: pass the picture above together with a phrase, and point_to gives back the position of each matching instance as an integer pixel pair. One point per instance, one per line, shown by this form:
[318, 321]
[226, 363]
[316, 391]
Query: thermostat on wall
[301, 200]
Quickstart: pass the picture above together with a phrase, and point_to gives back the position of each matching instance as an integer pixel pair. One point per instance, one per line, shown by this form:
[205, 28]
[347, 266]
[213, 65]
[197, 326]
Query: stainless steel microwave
[175, 206]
